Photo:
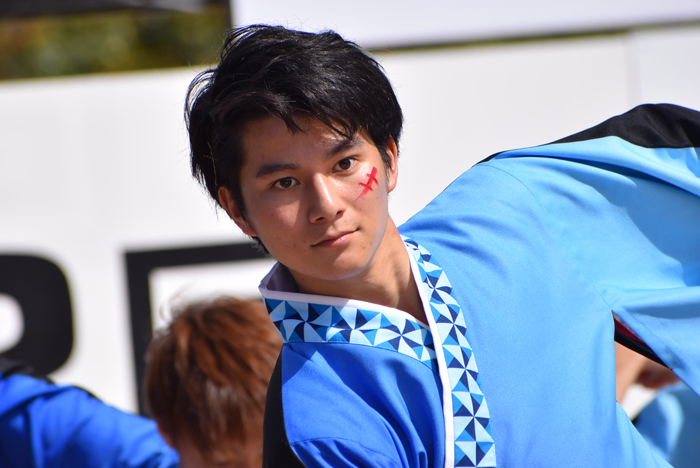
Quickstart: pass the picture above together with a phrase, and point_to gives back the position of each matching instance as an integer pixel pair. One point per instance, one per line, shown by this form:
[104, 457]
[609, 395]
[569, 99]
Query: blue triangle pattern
[314, 313]
[281, 329]
[442, 319]
[342, 325]
[320, 329]
[411, 343]
[368, 315]
[370, 335]
[272, 305]
[463, 377]
[479, 453]
[395, 342]
[291, 313]
[299, 331]
[454, 311]
[346, 333]
[463, 411]
[339, 323]
[433, 280]
[436, 295]
[409, 327]
[337, 337]
[464, 462]
[337, 317]
[360, 319]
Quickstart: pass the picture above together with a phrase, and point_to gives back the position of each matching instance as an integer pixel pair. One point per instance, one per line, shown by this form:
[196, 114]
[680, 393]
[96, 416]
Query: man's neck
[387, 281]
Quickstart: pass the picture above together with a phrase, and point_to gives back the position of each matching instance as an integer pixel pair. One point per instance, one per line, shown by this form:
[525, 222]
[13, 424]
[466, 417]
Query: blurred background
[101, 223]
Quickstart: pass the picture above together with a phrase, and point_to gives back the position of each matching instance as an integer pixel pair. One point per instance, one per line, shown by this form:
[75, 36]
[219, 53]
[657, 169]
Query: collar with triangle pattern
[322, 319]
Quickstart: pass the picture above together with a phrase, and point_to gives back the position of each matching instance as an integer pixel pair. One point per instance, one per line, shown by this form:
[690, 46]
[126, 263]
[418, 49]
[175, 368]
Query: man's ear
[227, 203]
[392, 174]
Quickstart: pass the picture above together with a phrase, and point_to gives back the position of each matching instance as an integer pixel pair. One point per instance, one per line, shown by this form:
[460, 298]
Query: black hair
[273, 71]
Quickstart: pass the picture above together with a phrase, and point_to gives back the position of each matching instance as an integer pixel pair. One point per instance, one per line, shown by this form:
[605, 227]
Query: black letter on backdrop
[41, 290]
[140, 264]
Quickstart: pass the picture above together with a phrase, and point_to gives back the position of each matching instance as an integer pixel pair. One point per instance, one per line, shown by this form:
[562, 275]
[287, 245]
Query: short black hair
[274, 71]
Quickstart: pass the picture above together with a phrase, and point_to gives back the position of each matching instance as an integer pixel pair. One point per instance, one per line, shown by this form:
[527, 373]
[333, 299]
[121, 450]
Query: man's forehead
[271, 136]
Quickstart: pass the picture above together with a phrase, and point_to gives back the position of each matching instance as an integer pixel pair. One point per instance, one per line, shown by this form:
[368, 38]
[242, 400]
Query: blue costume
[44, 425]
[522, 264]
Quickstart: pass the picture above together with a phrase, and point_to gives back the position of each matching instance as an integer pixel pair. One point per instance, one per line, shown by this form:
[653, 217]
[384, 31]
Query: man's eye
[285, 183]
[345, 164]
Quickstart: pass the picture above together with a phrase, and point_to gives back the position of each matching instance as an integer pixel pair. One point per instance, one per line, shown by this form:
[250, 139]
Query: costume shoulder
[44, 425]
[624, 198]
[348, 405]
[542, 245]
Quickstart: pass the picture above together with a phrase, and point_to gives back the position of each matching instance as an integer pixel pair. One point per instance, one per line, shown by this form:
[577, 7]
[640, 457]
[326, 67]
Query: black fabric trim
[277, 453]
[10, 367]
[490, 157]
[637, 347]
[13, 367]
[649, 126]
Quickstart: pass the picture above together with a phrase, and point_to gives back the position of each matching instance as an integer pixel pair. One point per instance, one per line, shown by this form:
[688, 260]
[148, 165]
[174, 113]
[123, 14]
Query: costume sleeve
[44, 425]
[339, 453]
[671, 425]
[624, 199]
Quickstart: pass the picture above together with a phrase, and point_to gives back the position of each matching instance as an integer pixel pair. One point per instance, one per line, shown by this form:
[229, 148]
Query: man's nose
[326, 201]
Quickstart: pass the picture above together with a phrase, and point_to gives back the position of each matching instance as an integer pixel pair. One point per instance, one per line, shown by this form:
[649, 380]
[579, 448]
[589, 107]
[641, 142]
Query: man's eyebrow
[270, 168]
[343, 145]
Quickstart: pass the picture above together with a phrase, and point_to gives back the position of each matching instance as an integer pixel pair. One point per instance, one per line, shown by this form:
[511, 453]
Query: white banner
[379, 24]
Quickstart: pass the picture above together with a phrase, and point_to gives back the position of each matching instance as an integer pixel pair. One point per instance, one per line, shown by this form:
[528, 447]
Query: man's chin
[337, 271]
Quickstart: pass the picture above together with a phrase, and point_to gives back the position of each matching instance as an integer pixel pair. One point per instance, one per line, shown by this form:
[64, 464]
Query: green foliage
[109, 42]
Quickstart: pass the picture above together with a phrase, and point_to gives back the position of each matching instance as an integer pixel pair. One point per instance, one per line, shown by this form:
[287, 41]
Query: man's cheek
[367, 185]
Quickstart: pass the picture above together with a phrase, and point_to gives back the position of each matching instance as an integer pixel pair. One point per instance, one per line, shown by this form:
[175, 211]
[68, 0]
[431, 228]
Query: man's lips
[335, 240]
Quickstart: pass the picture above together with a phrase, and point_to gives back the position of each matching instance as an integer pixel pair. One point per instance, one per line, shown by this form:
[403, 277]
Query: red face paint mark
[368, 185]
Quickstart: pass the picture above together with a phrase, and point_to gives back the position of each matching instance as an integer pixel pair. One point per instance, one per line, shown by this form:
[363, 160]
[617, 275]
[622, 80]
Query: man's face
[317, 201]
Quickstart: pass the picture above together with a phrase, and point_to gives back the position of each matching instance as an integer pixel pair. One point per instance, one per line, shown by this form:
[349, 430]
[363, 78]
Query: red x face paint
[368, 185]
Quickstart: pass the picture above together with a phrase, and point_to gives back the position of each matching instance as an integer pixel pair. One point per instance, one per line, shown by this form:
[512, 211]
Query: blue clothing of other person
[43, 425]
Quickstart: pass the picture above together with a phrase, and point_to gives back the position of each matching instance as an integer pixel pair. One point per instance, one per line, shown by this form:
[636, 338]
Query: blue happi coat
[522, 263]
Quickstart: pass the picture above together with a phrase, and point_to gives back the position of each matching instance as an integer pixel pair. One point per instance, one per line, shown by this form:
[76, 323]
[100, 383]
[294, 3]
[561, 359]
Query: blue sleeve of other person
[45, 426]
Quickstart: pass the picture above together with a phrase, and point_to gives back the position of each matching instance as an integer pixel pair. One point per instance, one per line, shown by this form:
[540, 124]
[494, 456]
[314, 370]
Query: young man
[526, 265]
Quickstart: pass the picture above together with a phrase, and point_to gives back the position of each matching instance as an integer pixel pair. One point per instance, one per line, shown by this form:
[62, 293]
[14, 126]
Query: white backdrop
[92, 167]
[400, 23]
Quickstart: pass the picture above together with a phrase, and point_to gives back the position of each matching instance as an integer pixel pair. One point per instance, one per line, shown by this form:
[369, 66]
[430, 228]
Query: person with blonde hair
[206, 379]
